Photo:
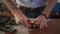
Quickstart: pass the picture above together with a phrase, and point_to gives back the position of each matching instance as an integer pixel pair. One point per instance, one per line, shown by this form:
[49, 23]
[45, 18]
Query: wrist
[44, 15]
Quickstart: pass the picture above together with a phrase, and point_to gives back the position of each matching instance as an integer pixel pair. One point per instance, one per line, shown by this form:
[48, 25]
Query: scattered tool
[4, 24]
[33, 25]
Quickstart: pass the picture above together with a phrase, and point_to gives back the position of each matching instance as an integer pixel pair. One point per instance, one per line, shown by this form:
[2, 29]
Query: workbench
[53, 28]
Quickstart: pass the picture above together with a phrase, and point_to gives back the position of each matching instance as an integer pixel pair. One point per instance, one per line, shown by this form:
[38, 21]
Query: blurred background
[55, 13]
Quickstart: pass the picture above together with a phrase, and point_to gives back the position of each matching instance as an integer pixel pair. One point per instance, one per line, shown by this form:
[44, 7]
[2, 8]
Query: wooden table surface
[53, 28]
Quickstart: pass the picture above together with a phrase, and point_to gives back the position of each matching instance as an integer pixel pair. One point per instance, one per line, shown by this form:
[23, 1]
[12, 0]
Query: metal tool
[4, 24]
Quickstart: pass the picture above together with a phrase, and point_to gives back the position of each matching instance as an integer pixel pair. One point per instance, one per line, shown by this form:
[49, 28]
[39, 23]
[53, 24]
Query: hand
[21, 19]
[42, 22]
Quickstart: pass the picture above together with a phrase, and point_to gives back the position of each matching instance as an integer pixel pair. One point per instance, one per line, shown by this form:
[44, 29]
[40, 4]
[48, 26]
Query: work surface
[53, 28]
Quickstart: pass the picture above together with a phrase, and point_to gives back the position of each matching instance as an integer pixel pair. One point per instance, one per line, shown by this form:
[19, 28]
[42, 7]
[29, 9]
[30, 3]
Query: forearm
[12, 7]
[49, 7]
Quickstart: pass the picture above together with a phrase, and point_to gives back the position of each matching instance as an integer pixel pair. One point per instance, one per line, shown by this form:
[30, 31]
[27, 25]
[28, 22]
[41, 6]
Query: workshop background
[6, 18]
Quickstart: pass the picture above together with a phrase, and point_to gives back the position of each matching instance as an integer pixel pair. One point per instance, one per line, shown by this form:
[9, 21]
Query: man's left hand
[42, 22]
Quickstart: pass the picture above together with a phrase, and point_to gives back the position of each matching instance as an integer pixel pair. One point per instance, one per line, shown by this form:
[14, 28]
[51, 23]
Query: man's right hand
[21, 19]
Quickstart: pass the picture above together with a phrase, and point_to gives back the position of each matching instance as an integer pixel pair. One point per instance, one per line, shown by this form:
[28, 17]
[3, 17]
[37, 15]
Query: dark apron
[32, 13]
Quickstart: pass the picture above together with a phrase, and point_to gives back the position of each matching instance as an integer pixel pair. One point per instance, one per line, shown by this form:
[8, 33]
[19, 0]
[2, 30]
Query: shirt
[31, 3]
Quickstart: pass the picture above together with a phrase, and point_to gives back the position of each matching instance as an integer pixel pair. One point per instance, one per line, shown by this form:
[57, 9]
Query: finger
[19, 22]
[16, 22]
[46, 25]
[39, 21]
[26, 24]
[36, 22]
[42, 25]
